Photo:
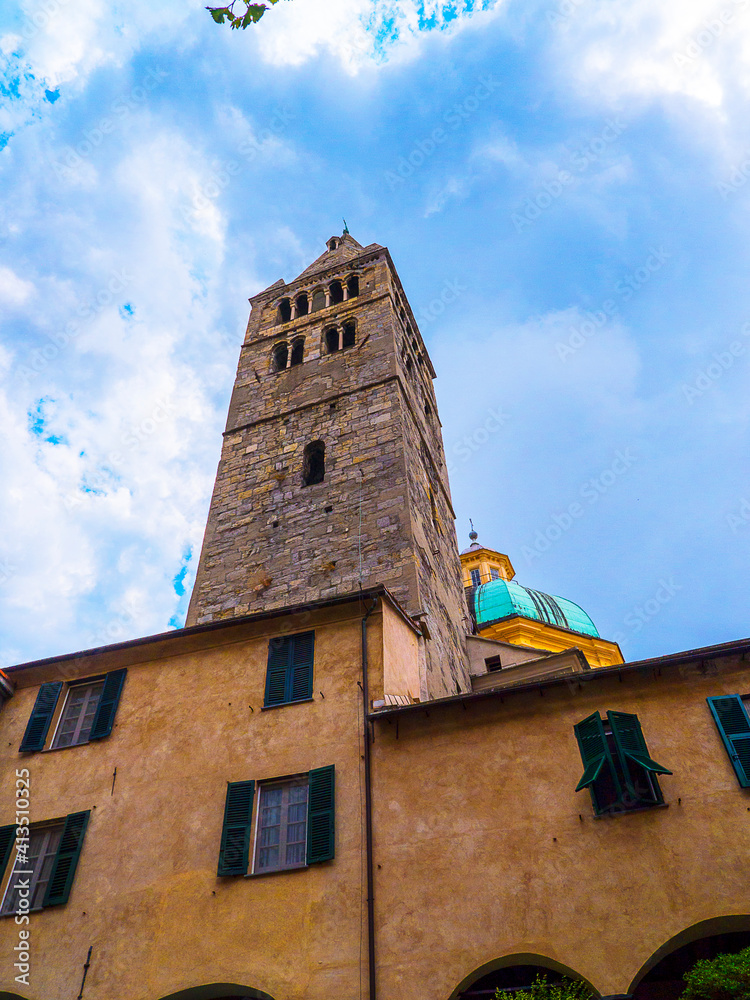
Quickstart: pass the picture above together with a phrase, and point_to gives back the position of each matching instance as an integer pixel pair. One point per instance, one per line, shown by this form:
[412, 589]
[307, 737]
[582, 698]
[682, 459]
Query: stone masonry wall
[382, 513]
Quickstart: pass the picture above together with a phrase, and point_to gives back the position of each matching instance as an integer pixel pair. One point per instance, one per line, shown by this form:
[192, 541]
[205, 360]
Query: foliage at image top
[251, 15]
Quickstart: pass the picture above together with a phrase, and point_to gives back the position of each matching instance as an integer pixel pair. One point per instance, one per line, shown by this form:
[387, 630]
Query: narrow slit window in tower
[302, 304]
[285, 311]
[298, 352]
[349, 335]
[332, 340]
[337, 293]
[318, 300]
[353, 286]
[314, 467]
[279, 357]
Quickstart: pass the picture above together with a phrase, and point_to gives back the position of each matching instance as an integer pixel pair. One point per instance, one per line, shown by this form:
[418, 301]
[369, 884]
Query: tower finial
[472, 534]
[346, 229]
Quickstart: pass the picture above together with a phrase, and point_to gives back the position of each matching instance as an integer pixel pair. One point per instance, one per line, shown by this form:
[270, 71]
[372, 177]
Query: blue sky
[563, 188]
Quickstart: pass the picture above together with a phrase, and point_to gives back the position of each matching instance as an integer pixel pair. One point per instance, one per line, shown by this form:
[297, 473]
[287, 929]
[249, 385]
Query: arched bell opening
[279, 357]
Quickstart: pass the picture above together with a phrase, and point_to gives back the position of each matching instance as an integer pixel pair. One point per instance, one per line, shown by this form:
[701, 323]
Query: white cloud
[356, 32]
[635, 49]
[14, 291]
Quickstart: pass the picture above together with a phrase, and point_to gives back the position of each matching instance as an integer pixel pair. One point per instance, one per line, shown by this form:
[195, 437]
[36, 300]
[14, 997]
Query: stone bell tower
[332, 475]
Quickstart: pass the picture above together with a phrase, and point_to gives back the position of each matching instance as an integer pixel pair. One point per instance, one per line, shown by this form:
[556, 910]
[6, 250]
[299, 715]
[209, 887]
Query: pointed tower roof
[340, 250]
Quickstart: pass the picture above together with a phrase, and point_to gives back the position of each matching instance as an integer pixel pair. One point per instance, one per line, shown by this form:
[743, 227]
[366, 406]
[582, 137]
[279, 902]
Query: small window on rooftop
[494, 573]
[314, 463]
[476, 579]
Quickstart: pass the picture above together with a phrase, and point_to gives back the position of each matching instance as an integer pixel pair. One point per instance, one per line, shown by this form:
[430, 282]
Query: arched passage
[660, 978]
[217, 991]
[511, 972]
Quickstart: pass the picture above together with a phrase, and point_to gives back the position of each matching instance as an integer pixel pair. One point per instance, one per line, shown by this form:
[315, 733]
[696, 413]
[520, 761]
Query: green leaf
[255, 12]
[218, 13]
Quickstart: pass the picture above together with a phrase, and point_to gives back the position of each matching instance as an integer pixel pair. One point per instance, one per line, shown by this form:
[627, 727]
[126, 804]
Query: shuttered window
[107, 707]
[281, 840]
[78, 713]
[41, 717]
[45, 864]
[289, 676]
[733, 723]
[66, 859]
[321, 815]
[617, 767]
[295, 823]
[88, 712]
[235, 834]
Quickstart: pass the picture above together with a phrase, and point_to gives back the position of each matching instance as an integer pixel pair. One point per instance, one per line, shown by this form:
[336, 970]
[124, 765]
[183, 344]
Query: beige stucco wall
[400, 658]
[487, 851]
[482, 848]
[146, 894]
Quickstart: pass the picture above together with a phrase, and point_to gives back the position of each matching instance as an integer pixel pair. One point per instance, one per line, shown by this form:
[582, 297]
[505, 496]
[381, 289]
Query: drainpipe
[368, 810]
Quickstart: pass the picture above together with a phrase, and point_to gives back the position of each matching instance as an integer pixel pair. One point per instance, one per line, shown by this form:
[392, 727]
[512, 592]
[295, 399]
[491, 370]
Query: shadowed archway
[512, 972]
[218, 991]
[660, 978]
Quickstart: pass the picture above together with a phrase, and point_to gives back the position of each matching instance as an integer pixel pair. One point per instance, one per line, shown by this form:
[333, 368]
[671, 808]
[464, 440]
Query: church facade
[369, 766]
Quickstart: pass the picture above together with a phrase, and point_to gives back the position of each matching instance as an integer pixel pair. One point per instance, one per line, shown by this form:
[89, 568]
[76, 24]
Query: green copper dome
[498, 599]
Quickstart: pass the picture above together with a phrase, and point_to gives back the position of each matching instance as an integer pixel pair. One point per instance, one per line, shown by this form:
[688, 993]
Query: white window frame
[297, 779]
[72, 687]
[44, 828]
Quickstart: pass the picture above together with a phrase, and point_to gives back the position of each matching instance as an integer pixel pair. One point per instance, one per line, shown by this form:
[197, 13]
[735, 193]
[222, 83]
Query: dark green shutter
[302, 666]
[289, 676]
[7, 840]
[733, 724]
[279, 650]
[235, 834]
[321, 822]
[594, 750]
[66, 859]
[41, 716]
[631, 747]
[108, 701]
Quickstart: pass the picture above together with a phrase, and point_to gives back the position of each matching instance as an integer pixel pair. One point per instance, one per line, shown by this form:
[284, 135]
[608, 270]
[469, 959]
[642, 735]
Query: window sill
[283, 704]
[15, 913]
[616, 814]
[72, 746]
[277, 871]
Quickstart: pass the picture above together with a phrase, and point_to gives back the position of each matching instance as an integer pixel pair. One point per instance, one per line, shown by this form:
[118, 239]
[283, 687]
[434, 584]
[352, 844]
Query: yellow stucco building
[387, 788]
